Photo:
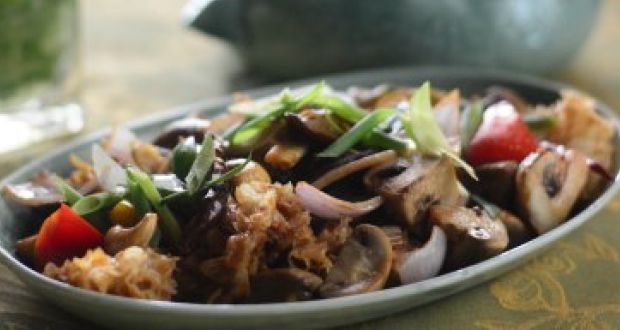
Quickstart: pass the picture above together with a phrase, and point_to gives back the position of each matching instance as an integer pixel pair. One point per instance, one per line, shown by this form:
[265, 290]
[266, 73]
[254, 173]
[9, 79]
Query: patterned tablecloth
[574, 285]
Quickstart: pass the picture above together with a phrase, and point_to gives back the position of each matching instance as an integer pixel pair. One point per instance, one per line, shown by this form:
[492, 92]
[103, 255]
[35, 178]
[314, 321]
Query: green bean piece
[69, 194]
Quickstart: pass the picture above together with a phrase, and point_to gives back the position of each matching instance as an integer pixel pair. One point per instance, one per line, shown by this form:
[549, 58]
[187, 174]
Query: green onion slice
[356, 133]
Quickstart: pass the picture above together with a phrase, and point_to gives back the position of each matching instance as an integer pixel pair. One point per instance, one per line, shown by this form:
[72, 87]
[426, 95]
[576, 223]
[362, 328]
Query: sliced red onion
[119, 145]
[328, 207]
[424, 262]
[109, 173]
[374, 160]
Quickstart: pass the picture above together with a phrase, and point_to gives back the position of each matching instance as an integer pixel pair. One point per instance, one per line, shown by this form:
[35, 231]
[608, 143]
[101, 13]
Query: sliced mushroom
[376, 159]
[472, 235]
[363, 264]
[283, 285]
[414, 264]
[496, 183]
[39, 192]
[285, 156]
[410, 186]
[118, 238]
[518, 232]
[316, 124]
[182, 128]
[549, 183]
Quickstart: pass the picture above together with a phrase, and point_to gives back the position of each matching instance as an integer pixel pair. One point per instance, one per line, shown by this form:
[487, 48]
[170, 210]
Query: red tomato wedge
[502, 136]
[63, 235]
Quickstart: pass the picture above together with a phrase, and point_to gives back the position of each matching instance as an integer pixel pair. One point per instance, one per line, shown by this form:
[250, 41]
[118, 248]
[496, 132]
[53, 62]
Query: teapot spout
[220, 18]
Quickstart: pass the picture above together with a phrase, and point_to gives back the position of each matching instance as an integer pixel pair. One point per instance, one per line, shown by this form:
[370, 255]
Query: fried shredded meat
[581, 128]
[134, 272]
[269, 228]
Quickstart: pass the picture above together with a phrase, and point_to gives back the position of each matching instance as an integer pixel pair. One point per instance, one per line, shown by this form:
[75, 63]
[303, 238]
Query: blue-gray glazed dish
[117, 312]
[288, 39]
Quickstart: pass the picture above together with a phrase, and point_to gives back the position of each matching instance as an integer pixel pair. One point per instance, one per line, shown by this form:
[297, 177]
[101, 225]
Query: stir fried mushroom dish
[315, 194]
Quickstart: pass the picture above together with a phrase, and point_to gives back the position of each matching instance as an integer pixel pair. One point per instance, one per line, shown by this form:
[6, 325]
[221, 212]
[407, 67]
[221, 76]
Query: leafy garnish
[421, 127]
[201, 167]
[356, 133]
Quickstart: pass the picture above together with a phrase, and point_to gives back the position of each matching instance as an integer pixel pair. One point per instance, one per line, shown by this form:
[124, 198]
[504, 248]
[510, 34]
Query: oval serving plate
[115, 312]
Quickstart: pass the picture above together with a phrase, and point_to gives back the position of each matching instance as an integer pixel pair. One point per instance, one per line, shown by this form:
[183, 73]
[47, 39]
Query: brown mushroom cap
[410, 186]
[363, 264]
[182, 128]
[283, 285]
[548, 185]
[472, 235]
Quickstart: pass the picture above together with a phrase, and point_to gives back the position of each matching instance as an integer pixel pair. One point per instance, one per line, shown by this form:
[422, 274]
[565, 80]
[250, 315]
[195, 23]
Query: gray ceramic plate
[118, 312]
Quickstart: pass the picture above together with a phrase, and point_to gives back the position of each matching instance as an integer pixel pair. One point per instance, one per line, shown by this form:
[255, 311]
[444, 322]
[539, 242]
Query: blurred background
[70, 67]
[124, 60]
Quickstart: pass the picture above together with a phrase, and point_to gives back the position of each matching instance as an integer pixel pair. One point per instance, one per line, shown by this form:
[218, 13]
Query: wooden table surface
[138, 60]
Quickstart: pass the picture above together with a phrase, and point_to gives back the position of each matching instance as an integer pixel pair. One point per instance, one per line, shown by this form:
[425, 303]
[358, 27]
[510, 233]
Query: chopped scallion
[422, 128]
[69, 194]
[201, 167]
[362, 128]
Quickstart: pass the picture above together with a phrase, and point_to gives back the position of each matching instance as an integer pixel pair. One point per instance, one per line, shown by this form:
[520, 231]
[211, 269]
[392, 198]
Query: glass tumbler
[39, 71]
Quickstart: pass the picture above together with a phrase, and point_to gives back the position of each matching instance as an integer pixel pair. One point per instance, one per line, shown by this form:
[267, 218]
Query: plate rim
[518, 254]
